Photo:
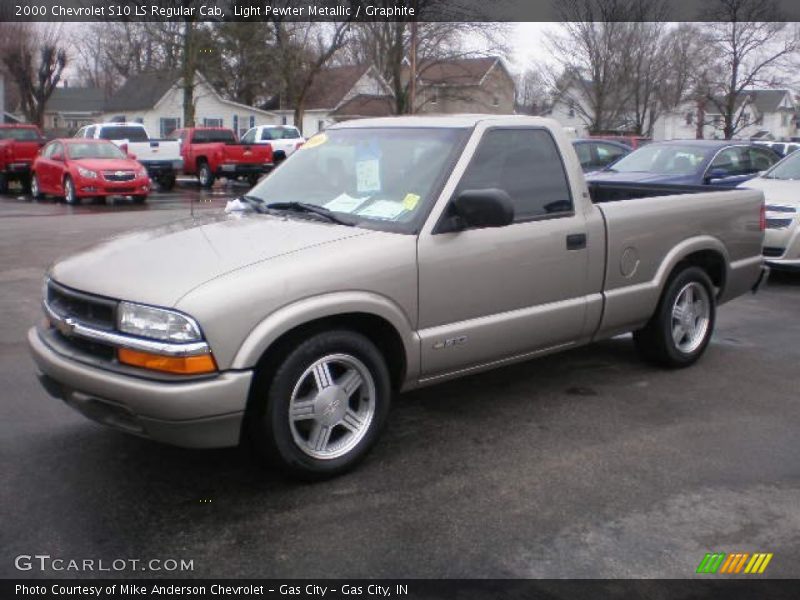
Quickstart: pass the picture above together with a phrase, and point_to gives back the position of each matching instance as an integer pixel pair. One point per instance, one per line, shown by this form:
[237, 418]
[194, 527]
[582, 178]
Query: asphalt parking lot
[584, 464]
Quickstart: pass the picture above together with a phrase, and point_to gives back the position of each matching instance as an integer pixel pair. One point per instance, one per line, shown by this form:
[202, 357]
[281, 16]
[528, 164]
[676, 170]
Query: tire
[139, 199]
[675, 338]
[70, 194]
[205, 176]
[25, 183]
[36, 189]
[166, 183]
[348, 380]
[3, 183]
[252, 180]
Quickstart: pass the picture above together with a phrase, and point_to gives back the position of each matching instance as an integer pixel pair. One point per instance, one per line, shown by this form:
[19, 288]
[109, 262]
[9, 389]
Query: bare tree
[34, 61]
[533, 90]
[751, 45]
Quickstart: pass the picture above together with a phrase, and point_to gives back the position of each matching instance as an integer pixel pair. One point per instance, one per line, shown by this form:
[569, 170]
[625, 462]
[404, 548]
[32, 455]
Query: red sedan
[81, 168]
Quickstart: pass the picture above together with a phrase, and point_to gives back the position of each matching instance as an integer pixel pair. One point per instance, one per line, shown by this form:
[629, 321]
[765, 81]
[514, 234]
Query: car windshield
[132, 134]
[279, 133]
[207, 136]
[788, 168]
[663, 158]
[383, 178]
[20, 134]
[76, 151]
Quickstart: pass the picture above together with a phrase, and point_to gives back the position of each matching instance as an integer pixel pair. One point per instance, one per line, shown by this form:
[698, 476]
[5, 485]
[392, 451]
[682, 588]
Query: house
[156, 100]
[70, 108]
[763, 114]
[364, 106]
[464, 85]
[331, 89]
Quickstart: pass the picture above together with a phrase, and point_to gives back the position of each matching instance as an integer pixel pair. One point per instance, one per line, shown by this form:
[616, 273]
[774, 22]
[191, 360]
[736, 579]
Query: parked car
[632, 141]
[362, 270]
[284, 139]
[211, 152]
[598, 154]
[781, 187]
[690, 162]
[82, 168]
[781, 148]
[19, 144]
[161, 158]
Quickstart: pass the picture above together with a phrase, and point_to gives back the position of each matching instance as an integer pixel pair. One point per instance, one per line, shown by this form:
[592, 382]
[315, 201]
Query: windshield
[279, 133]
[21, 134]
[788, 168]
[207, 136]
[132, 134]
[380, 178]
[77, 151]
[662, 158]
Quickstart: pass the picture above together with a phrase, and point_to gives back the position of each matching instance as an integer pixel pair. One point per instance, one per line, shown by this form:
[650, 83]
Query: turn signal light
[762, 221]
[182, 365]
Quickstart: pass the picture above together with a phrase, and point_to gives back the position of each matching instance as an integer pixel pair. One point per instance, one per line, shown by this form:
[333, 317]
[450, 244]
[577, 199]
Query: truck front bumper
[205, 413]
[242, 170]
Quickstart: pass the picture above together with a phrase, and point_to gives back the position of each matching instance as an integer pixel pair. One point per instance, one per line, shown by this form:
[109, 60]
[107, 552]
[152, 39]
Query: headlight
[157, 323]
[87, 173]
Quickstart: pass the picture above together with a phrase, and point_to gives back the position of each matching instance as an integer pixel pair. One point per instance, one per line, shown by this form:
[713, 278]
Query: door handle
[576, 241]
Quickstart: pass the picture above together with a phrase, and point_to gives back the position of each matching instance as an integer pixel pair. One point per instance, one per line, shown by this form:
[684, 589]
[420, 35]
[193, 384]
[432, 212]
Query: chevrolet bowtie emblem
[65, 326]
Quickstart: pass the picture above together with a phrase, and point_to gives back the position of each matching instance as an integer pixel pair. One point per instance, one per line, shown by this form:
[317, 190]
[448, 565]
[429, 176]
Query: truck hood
[159, 265]
[642, 177]
[782, 192]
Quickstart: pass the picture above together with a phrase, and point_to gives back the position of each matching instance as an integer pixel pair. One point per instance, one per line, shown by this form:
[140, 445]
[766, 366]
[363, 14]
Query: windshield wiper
[256, 203]
[309, 208]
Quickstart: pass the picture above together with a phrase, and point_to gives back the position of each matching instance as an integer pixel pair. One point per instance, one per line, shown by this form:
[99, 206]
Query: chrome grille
[119, 175]
[90, 310]
[780, 209]
[778, 223]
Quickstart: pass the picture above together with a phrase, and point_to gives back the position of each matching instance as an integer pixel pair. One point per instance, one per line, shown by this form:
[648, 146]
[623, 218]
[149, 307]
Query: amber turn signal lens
[182, 365]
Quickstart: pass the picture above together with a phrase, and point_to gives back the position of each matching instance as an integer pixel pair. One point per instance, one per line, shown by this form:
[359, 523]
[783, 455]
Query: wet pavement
[584, 464]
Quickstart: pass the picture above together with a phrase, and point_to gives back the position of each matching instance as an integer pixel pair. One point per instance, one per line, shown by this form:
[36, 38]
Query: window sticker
[382, 209]
[315, 141]
[344, 203]
[410, 201]
[368, 175]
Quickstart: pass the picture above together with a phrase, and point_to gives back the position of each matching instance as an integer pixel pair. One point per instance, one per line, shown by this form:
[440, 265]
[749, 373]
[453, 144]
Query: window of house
[571, 110]
[527, 165]
[284, 120]
[212, 122]
[690, 118]
[320, 125]
[784, 119]
[168, 124]
[252, 121]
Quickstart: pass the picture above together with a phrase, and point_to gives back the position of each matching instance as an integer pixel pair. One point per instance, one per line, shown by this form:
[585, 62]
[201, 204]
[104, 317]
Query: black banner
[406, 589]
[363, 10]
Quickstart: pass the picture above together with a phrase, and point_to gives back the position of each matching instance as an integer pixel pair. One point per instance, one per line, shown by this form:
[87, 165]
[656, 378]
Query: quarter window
[526, 164]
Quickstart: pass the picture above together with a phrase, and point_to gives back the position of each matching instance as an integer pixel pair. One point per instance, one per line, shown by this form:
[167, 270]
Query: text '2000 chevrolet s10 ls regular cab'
[383, 255]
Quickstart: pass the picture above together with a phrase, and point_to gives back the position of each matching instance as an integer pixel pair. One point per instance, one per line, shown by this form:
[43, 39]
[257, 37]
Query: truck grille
[119, 175]
[778, 223]
[90, 310]
[773, 252]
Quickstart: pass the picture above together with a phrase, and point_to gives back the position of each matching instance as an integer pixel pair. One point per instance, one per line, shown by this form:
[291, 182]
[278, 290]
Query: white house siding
[208, 106]
[314, 121]
[568, 118]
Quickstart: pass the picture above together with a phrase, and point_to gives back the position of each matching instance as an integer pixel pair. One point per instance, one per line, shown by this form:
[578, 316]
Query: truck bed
[602, 191]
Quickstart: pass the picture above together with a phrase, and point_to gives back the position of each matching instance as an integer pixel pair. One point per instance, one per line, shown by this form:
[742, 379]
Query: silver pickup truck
[384, 255]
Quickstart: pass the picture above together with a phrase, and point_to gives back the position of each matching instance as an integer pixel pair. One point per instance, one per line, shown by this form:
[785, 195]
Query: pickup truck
[211, 152]
[384, 255]
[19, 145]
[284, 139]
[161, 158]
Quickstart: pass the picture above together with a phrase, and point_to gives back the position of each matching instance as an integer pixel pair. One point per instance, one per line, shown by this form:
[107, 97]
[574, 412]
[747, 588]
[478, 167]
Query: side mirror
[716, 174]
[131, 156]
[479, 208]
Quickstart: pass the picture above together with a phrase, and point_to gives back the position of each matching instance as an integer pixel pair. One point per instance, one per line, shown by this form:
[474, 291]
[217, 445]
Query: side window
[607, 154]
[760, 159]
[58, 148]
[732, 161]
[584, 152]
[526, 164]
[89, 133]
[249, 137]
[47, 152]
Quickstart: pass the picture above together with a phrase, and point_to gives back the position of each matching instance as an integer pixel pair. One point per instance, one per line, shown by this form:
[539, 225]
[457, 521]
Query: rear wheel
[70, 194]
[681, 328]
[205, 176]
[323, 407]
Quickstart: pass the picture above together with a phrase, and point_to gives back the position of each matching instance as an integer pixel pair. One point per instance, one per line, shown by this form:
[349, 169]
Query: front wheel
[324, 406]
[681, 328]
[205, 175]
[70, 195]
[36, 190]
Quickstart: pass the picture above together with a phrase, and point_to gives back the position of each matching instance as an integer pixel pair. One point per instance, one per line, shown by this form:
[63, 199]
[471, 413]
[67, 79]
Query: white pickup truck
[284, 139]
[161, 158]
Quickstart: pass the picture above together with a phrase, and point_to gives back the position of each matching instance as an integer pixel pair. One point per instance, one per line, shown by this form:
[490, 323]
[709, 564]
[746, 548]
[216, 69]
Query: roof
[76, 99]
[142, 91]
[456, 71]
[765, 101]
[366, 105]
[462, 121]
[331, 85]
